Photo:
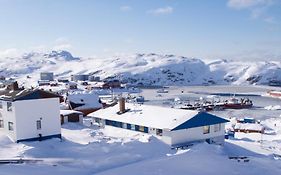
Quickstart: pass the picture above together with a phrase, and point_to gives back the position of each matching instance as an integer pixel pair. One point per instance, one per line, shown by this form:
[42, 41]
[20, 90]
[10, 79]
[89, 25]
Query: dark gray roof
[27, 94]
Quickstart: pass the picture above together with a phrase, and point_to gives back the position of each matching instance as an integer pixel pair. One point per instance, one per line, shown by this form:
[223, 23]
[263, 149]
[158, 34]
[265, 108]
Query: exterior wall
[152, 131]
[166, 137]
[193, 134]
[75, 117]
[183, 136]
[8, 116]
[80, 77]
[29, 111]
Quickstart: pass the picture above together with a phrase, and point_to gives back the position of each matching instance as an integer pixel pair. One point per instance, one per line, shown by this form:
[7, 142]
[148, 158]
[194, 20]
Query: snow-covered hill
[144, 69]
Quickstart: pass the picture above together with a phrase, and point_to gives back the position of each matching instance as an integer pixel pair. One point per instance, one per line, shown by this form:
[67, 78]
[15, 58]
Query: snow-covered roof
[147, 115]
[67, 112]
[26, 94]
[249, 126]
[89, 100]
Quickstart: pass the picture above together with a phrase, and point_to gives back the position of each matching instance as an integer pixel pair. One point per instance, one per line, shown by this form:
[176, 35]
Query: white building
[175, 126]
[47, 76]
[85, 102]
[27, 115]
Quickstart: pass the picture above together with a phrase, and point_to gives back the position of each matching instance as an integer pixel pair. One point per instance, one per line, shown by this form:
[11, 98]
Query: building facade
[30, 115]
[49, 76]
[174, 126]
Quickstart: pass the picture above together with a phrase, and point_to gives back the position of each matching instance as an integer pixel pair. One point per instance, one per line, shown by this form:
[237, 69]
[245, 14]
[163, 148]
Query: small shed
[249, 128]
[71, 116]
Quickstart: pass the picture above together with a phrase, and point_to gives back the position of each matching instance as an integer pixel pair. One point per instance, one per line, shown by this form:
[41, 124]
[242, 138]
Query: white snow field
[143, 69]
[90, 150]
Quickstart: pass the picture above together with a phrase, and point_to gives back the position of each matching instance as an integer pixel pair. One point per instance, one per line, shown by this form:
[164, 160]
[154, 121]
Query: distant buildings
[80, 77]
[105, 85]
[27, 115]
[49, 76]
[174, 126]
[94, 78]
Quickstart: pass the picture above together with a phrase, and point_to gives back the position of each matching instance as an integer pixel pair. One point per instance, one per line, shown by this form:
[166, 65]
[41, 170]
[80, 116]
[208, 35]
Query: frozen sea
[191, 93]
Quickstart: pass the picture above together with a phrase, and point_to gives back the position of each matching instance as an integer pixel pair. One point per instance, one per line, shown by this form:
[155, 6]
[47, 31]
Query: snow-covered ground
[91, 150]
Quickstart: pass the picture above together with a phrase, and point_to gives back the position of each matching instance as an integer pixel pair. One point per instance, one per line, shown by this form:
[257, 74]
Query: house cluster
[90, 82]
[43, 113]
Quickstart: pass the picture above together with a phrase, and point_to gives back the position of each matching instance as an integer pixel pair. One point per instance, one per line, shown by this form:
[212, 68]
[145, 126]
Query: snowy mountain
[144, 69]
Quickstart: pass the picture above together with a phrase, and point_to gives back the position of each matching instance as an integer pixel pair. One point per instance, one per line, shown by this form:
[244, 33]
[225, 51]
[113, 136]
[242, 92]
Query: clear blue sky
[230, 29]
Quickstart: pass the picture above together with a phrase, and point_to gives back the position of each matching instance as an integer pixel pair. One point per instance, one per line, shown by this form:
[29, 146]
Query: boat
[235, 103]
[273, 93]
[188, 107]
[162, 91]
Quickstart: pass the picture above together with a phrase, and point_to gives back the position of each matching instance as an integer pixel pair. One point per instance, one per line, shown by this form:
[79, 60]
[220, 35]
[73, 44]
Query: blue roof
[201, 119]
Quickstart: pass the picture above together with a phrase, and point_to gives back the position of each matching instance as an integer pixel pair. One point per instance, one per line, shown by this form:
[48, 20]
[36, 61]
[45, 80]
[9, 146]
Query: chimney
[122, 105]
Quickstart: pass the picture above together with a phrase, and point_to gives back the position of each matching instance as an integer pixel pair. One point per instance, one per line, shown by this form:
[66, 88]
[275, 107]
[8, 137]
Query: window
[38, 124]
[124, 125]
[119, 124]
[133, 127]
[159, 132]
[217, 127]
[1, 105]
[136, 127]
[97, 120]
[128, 126]
[206, 129]
[9, 106]
[146, 129]
[1, 124]
[108, 122]
[11, 126]
[141, 128]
